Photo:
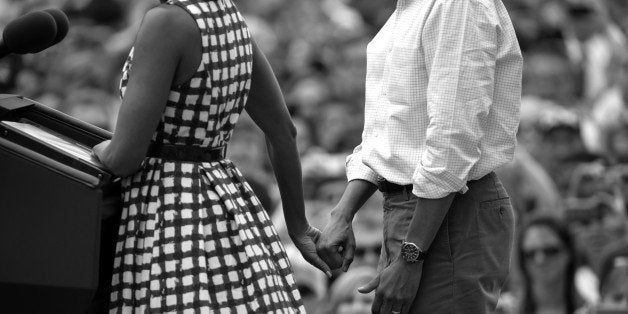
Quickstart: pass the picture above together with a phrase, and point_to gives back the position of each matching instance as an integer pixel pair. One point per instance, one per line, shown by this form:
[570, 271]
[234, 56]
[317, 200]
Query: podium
[59, 212]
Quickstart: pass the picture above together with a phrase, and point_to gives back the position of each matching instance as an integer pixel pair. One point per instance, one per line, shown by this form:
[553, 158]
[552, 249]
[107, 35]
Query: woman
[547, 263]
[193, 235]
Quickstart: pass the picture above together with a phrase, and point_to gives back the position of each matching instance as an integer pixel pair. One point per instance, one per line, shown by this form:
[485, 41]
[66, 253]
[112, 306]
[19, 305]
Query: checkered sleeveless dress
[193, 237]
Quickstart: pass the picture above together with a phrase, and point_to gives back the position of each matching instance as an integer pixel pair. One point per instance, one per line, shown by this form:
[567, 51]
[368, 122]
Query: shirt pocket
[402, 81]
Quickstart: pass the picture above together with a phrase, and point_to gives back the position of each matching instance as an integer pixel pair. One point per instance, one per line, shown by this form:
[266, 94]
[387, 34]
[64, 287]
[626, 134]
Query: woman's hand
[306, 243]
[98, 150]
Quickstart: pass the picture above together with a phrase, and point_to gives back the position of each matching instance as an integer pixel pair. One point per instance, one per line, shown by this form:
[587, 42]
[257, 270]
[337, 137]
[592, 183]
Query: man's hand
[336, 245]
[395, 287]
[306, 244]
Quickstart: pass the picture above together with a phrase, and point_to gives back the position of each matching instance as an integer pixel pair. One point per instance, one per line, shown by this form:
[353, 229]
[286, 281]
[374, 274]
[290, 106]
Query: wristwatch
[411, 252]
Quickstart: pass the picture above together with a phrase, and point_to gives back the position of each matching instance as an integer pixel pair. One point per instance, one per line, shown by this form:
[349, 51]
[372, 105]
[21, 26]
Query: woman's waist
[186, 153]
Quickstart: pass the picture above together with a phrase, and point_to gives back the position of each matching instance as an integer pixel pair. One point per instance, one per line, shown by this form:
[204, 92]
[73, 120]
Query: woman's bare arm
[165, 33]
[268, 110]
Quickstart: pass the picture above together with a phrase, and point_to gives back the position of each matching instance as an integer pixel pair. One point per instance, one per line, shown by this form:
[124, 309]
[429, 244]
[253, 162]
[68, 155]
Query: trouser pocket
[495, 220]
[398, 212]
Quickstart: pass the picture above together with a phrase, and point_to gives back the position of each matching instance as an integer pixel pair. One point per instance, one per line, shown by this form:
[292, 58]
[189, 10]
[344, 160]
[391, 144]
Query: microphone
[63, 25]
[30, 33]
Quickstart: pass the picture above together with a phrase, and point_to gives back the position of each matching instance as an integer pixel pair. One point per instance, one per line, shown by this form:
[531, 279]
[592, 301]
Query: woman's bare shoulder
[171, 22]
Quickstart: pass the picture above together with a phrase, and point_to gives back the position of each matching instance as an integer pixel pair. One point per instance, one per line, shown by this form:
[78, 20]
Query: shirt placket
[391, 43]
[398, 26]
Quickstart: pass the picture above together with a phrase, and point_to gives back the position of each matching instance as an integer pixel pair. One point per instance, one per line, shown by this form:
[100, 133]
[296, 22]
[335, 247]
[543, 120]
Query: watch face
[410, 252]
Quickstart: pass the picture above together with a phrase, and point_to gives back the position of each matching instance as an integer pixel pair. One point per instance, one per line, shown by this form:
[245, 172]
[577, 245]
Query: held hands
[395, 287]
[336, 245]
[306, 243]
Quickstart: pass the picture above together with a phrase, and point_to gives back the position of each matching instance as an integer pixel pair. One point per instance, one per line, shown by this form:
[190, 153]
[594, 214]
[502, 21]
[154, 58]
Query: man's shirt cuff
[357, 170]
[435, 186]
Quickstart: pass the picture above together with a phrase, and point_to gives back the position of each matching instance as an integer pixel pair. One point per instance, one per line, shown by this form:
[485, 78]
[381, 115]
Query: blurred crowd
[568, 182]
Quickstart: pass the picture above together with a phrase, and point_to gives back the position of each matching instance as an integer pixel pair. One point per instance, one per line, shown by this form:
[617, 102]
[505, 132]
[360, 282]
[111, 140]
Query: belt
[389, 187]
[186, 153]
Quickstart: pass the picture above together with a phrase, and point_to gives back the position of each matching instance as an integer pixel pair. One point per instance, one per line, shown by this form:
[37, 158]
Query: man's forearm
[427, 219]
[355, 195]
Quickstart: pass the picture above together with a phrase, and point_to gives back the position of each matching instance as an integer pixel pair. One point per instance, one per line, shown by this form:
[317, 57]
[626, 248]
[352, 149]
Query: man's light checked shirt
[443, 90]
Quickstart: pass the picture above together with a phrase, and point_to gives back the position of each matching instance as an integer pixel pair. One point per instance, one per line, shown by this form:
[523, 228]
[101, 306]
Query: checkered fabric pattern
[193, 237]
[443, 92]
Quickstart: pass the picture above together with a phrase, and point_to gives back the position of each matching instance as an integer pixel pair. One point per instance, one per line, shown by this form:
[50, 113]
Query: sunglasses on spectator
[580, 11]
[548, 252]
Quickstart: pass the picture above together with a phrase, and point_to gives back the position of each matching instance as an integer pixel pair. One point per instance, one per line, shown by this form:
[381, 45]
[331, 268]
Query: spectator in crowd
[344, 297]
[312, 283]
[532, 190]
[548, 76]
[613, 276]
[552, 136]
[617, 11]
[547, 260]
[549, 128]
[536, 21]
[588, 179]
[617, 178]
[594, 44]
[595, 211]
[604, 122]
[247, 147]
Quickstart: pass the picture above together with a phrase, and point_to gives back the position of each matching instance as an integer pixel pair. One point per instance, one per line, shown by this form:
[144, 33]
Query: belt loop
[381, 184]
[405, 193]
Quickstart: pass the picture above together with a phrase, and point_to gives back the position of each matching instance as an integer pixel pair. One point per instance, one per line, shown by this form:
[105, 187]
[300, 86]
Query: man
[443, 89]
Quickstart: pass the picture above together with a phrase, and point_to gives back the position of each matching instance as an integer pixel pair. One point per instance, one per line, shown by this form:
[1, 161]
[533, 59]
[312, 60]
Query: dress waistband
[186, 153]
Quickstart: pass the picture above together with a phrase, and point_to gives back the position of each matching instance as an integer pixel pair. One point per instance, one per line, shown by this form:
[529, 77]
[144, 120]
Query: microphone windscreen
[63, 24]
[32, 32]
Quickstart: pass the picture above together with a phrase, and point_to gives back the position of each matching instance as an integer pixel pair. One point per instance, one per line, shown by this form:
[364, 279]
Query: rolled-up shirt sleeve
[460, 45]
[356, 169]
